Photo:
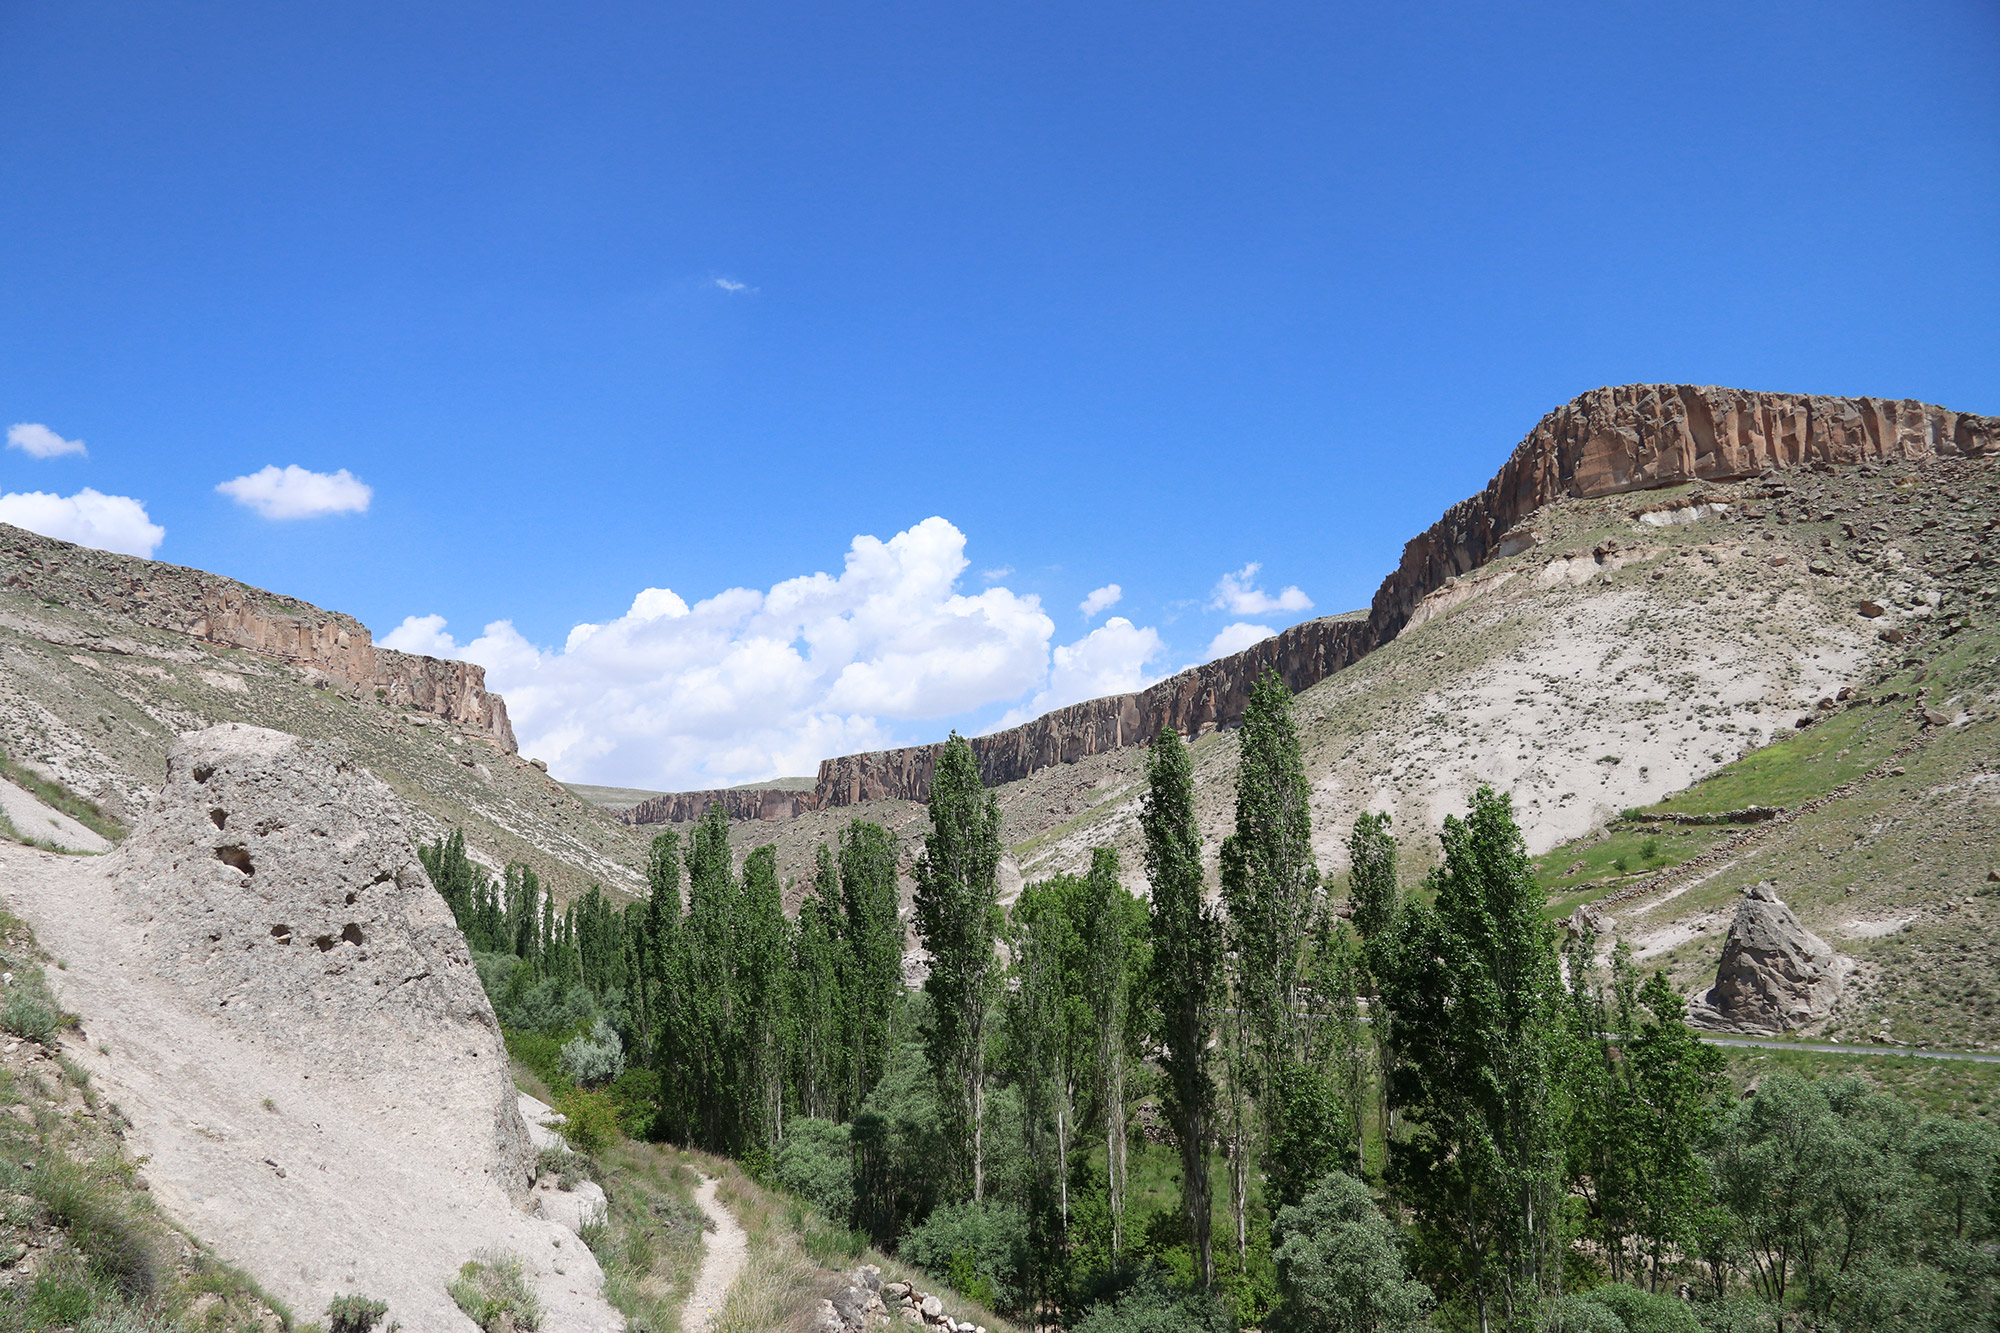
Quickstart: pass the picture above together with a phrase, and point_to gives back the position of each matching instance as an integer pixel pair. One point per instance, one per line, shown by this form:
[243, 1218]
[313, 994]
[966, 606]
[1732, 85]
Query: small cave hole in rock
[324, 942]
[203, 772]
[351, 896]
[351, 933]
[235, 856]
[219, 818]
[282, 934]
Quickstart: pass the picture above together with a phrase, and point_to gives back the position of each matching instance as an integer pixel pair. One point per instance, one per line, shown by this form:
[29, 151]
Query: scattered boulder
[1586, 921]
[1775, 974]
[1872, 609]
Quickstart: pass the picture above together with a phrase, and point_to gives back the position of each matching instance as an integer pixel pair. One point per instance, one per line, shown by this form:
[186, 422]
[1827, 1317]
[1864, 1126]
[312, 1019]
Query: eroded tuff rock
[218, 610]
[279, 888]
[1775, 974]
[1606, 442]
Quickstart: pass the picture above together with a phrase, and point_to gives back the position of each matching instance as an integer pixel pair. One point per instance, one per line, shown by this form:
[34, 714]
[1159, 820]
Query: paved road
[1834, 1048]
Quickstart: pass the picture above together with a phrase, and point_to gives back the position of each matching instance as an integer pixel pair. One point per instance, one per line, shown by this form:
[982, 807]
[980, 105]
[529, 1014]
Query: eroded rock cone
[279, 887]
[1774, 974]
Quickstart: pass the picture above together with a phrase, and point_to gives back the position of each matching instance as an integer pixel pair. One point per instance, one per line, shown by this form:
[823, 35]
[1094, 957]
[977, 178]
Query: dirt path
[721, 1260]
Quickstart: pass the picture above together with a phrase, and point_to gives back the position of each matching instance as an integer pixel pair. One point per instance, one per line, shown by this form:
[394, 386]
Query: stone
[1892, 635]
[1872, 609]
[933, 1307]
[1932, 718]
[1587, 920]
[1775, 975]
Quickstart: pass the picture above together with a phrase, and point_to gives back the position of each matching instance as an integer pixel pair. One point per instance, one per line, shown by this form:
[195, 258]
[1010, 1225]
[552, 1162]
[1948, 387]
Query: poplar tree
[958, 889]
[1371, 875]
[819, 1008]
[763, 990]
[873, 932]
[1477, 1045]
[714, 1071]
[1184, 981]
[1111, 926]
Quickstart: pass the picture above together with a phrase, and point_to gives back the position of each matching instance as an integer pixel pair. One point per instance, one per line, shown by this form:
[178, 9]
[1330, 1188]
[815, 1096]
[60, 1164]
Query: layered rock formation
[338, 649]
[1775, 974]
[1606, 442]
[740, 803]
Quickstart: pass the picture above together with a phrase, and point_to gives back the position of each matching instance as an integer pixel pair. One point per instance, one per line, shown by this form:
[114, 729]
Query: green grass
[1641, 847]
[1963, 1088]
[58, 797]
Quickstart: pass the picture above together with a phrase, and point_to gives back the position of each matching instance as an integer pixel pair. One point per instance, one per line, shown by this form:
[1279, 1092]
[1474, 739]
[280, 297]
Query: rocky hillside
[1607, 442]
[105, 659]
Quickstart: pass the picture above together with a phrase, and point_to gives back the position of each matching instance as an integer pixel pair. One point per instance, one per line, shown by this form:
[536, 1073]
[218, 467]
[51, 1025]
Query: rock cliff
[739, 803]
[332, 649]
[1608, 441]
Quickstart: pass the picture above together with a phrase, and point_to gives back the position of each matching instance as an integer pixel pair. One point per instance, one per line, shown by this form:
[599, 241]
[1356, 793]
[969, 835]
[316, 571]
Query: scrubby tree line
[1393, 1108]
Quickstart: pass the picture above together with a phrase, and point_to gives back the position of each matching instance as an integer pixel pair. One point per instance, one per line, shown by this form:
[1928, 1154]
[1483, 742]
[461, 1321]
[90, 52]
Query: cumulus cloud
[107, 522]
[1111, 659]
[293, 492]
[728, 286]
[747, 685]
[38, 441]
[1235, 638]
[1239, 595]
[1100, 599]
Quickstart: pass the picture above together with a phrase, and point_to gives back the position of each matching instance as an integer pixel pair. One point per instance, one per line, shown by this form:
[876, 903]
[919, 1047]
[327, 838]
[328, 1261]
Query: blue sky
[594, 300]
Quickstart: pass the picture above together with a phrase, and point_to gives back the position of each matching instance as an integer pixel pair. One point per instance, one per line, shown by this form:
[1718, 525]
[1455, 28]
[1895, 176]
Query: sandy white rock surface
[32, 819]
[722, 1254]
[315, 1081]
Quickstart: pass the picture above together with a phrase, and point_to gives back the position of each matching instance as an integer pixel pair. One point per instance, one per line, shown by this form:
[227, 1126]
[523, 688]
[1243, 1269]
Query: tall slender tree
[1478, 1038]
[764, 993]
[1112, 929]
[1184, 981]
[958, 889]
[873, 931]
[818, 1006]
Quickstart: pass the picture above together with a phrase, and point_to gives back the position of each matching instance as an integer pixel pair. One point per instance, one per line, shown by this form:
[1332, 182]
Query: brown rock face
[218, 610]
[684, 807]
[1608, 441]
[1774, 975]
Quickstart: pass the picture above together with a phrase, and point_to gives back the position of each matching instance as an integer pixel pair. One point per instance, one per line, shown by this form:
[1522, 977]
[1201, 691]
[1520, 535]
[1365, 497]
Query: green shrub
[1646, 1311]
[596, 1057]
[816, 1163]
[88, 1204]
[354, 1314]
[494, 1286]
[1151, 1306]
[30, 1012]
[1339, 1265]
[1580, 1314]
[979, 1246]
[590, 1122]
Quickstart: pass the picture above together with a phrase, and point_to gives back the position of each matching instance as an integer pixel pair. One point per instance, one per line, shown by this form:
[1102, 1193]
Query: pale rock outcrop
[1775, 974]
[279, 1000]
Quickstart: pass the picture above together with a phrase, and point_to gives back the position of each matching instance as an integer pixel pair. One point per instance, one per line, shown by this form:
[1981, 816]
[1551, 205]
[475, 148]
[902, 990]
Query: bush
[88, 1205]
[354, 1314]
[590, 1122]
[30, 1012]
[816, 1162]
[547, 1007]
[981, 1247]
[1645, 1311]
[493, 1287]
[1339, 1266]
[595, 1057]
[1580, 1314]
[1151, 1306]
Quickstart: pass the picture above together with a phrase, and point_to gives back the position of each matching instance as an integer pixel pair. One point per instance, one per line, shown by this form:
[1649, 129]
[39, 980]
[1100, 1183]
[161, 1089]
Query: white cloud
[422, 635]
[38, 441]
[107, 522]
[1235, 638]
[1239, 595]
[726, 285]
[995, 575]
[1111, 659]
[747, 685]
[293, 492]
[1100, 599]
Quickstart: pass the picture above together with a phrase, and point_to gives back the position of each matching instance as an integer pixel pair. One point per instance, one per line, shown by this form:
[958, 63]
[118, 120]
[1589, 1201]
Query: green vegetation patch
[60, 798]
[1963, 1089]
